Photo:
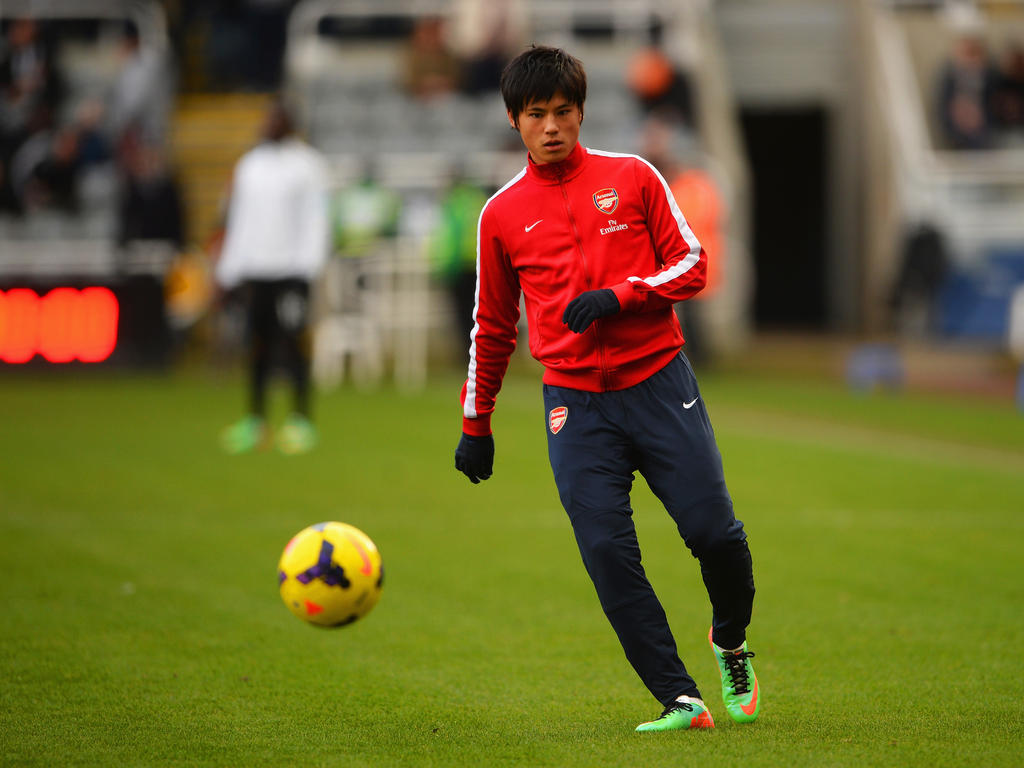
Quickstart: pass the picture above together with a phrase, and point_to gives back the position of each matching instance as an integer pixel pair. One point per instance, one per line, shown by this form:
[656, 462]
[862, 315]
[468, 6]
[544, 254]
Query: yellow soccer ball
[330, 574]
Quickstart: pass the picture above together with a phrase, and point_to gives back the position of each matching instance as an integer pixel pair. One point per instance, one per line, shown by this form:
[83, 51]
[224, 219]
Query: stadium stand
[60, 226]
[925, 239]
[969, 199]
[344, 66]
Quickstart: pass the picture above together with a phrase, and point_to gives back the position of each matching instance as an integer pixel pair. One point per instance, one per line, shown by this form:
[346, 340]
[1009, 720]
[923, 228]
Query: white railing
[382, 325]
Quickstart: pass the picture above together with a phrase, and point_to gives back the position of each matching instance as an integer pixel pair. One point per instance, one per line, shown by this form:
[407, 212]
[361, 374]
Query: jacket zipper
[583, 260]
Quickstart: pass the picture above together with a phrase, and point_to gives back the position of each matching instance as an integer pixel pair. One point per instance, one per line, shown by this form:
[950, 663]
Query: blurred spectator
[658, 83]
[142, 94]
[486, 34]
[30, 94]
[150, 206]
[698, 195]
[45, 169]
[93, 143]
[51, 177]
[275, 245]
[429, 67]
[924, 267]
[149, 210]
[453, 249]
[25, 156]
[28, 78]
[1009, 94]
[362, 214]
[966, 88]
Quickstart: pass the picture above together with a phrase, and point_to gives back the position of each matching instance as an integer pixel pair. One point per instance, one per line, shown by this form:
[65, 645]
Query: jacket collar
[552, 173]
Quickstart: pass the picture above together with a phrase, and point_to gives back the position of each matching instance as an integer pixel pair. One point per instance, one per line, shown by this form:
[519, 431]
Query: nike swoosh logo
[689, 405]
[538, 221]
[748, 709]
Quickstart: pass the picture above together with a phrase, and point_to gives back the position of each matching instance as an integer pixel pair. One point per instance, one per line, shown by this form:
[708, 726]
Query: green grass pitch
[142, 626]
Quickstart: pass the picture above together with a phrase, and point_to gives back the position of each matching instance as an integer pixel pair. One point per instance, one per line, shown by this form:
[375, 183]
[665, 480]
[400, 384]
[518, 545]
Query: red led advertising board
[64, 325]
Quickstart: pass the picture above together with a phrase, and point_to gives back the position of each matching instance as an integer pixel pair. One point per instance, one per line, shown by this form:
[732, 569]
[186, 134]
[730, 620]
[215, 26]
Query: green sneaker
[682, 714]
[298, 435]
[739, 683]
[244, 435]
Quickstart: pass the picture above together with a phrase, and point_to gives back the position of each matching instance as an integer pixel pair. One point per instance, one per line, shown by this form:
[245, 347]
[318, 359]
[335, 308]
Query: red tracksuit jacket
[595, 220]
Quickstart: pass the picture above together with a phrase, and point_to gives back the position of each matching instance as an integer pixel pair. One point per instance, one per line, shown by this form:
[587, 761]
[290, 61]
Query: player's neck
[561, 169]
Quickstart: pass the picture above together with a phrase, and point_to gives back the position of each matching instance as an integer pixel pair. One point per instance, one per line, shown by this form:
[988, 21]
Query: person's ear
[511, 120]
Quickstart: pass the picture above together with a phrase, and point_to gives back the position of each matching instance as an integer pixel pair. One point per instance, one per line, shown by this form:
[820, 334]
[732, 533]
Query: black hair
[537, 74]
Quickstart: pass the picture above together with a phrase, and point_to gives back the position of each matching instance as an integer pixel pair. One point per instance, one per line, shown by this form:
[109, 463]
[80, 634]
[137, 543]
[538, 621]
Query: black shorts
[277, 308]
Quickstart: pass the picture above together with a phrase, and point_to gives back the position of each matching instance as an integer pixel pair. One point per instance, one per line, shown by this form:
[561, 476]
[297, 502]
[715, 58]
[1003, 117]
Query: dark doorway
[787, 150]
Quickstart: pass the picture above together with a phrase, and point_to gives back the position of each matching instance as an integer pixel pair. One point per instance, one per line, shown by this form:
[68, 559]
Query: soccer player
[276, 244]
[601, 252]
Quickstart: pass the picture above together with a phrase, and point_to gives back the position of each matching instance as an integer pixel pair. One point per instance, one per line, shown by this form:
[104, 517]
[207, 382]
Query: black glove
[475, 456]
[588, 306]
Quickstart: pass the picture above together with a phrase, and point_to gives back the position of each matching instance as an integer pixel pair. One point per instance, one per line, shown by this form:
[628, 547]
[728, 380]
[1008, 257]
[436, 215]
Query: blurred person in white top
[275, 245]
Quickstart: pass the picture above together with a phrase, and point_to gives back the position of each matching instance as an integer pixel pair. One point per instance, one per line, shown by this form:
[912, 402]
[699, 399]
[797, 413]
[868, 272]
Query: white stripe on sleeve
[469, 405]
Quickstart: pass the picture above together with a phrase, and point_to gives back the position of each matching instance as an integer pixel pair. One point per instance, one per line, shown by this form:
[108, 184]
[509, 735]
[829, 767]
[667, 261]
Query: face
[549, 129]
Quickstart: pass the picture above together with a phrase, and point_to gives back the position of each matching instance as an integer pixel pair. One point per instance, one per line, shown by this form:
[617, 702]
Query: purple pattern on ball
[331, 574]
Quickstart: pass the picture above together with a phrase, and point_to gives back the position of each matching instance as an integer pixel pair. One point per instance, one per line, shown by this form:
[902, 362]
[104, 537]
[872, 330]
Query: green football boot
[246, 434]
[739, 683]
[682, 714]
[298, 435]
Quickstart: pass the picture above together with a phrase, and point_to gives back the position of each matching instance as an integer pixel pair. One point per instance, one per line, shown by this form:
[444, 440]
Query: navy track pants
[660, 427]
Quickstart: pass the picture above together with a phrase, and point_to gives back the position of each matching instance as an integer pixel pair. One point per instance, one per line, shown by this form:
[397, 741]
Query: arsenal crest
[556, 419]
[606, 200]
